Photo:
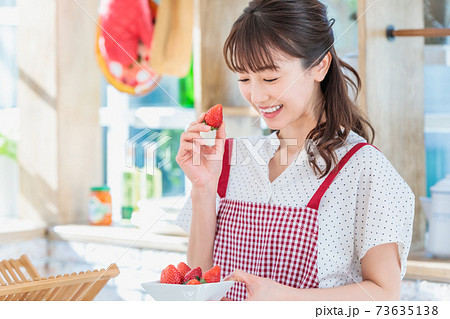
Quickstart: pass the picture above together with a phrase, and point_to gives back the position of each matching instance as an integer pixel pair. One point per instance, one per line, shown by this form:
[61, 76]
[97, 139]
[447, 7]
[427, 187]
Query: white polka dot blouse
[368, 203]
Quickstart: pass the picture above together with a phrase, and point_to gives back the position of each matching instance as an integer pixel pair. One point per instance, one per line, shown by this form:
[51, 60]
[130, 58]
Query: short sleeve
[384, 207]
[183, 219]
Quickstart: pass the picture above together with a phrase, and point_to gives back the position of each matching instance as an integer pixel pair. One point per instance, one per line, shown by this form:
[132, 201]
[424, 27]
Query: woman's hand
[258, 288]
[201, 163]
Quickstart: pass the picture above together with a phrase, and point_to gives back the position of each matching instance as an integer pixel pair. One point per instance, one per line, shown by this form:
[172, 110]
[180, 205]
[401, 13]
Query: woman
[312, 211]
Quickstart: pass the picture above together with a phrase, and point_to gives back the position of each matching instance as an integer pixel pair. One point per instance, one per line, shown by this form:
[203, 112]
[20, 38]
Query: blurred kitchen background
[75, 137]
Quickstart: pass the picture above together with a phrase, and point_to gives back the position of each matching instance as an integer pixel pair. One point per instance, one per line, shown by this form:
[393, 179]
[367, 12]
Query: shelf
[155, 117]
[437, 123]
[168, 117]
[240, 111]
[123, 236]
[423, 267]
[18, 230]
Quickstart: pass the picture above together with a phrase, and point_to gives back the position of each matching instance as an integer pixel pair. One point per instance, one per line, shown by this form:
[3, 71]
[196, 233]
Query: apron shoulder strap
[223, 179]
[315, 200]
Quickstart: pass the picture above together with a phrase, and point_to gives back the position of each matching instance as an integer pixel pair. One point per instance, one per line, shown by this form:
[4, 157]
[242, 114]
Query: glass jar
[100, 206]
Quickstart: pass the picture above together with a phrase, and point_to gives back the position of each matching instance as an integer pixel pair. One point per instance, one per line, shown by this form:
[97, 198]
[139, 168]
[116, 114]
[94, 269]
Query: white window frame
[118, 117]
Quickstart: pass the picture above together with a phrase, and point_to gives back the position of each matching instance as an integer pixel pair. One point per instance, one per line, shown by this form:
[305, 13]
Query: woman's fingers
[191, 140]
[199, 128]
[220, 138]
[190, 137]
[221, 131]
[237, 275]
[191, 143]
[243, 277]
[199, 120]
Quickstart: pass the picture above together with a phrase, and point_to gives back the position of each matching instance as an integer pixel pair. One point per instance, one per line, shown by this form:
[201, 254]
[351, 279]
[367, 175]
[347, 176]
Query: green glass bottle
[186, 89]
[131, 192]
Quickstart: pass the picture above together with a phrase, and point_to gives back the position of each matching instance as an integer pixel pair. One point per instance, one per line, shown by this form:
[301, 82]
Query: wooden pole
[392, 92]
[427, 33]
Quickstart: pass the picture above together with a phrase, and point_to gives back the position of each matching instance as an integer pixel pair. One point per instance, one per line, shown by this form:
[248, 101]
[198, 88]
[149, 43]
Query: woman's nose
[259, 95]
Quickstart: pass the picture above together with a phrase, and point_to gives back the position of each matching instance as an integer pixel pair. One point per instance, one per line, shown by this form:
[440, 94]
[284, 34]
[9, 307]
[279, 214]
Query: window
[437, 95]
[345, 29]
[128, 118]
[437, 114]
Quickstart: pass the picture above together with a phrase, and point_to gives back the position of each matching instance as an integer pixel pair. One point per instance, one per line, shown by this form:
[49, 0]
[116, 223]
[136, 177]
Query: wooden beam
[59, 100]
[392, 95]
[214, 83]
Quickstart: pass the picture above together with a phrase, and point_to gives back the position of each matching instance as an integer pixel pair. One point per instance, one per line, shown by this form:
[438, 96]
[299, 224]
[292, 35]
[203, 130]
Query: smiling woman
[306, 212]
[288, 58]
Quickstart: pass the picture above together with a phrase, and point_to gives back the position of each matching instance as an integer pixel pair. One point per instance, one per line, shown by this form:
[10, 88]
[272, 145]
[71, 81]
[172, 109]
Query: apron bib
[268, 240]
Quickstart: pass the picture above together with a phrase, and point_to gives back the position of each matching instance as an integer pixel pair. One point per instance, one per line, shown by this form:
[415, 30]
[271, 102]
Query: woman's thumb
[220, 137]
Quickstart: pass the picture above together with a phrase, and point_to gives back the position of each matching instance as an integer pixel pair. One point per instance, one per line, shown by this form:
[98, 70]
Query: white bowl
[202, 292]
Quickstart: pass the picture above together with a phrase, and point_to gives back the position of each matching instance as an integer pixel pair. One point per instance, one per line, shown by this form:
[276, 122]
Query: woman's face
[284, 97]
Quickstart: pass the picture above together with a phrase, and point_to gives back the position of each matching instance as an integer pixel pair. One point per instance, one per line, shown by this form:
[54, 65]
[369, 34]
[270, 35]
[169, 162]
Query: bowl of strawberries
[182, 283]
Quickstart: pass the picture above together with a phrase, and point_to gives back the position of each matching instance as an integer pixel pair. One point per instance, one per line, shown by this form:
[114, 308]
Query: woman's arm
[381, 275]
[204, 173]
[203, 227]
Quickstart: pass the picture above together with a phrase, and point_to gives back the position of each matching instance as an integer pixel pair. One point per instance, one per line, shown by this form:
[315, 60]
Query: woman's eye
[243, 80]
[271, 80]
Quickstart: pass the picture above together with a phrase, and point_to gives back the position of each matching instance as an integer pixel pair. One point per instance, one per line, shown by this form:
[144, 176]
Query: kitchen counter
[169, 238]
[422, 266]
[18, 230]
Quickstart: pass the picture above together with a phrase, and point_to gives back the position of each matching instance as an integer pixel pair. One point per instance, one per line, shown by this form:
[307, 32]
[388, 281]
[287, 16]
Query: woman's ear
[321, 69]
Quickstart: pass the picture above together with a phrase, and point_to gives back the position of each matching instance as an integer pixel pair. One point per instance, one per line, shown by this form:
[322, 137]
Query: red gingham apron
[268, 240]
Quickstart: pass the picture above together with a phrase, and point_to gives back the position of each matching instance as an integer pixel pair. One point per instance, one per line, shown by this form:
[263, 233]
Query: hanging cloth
[172, 46]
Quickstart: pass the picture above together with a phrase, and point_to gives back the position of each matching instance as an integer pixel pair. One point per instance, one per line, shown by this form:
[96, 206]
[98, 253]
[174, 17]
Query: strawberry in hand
[201, 163]
[214, 117]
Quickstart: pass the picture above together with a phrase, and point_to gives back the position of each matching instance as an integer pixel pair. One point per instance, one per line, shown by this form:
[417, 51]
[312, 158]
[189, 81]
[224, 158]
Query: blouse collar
[271, 147]
[273, 143]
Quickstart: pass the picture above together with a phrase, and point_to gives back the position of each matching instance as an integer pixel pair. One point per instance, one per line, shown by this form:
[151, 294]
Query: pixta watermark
[157, 149]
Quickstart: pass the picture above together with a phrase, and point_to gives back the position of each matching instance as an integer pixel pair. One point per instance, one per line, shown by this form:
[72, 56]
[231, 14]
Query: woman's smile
[271, 112]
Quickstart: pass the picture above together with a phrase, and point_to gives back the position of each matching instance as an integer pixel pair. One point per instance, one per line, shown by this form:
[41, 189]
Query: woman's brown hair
[300, 28]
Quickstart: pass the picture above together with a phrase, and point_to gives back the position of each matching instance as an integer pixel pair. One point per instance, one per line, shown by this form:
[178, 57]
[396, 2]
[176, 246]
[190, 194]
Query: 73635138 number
[407, 310]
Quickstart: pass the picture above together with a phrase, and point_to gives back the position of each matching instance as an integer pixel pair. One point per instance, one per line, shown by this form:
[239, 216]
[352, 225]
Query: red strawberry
[193, 282]
[212, 275]
[195, 273]
[183, 268]
[214, 117]
[170, 275]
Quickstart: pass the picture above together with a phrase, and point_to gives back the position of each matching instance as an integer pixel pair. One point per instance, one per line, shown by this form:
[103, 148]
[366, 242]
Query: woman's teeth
[272, 109]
